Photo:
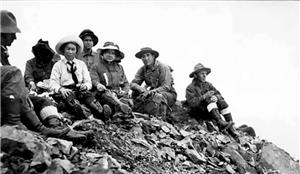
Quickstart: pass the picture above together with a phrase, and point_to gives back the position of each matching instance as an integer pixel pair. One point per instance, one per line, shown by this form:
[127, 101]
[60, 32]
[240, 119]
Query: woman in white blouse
[70, 78]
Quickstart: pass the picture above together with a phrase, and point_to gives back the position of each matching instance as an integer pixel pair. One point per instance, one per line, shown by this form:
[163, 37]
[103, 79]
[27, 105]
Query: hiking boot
[106, 111]
[53, 121]
[72, 135]
[228, 117]
[95, 106]
[223, 125]
[125, 108]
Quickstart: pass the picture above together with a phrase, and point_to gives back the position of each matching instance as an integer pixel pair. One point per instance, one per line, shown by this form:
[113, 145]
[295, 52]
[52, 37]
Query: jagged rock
[274, 158]
[194, 156]
[237, 159]
[142, 144]
[63, 145]
[21, 145]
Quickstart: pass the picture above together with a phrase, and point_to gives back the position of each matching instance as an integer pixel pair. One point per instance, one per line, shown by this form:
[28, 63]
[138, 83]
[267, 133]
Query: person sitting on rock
[16, 106]
[204, 99]
[38, 71]
[89, 40]
[109, 78]
[70, 78]
[158, 94]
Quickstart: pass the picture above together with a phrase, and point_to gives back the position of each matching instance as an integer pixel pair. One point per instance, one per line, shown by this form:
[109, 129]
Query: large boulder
[274, 158]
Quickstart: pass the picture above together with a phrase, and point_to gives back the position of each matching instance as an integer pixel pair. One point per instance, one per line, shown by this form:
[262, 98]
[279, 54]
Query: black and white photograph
[179, 87]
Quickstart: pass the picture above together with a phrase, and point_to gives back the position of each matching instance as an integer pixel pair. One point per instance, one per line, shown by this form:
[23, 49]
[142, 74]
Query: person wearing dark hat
[71, 79]
[16, 106]
[38, 71]
[205, 99]
[109, 78]
[159, 94]
[39, 68]
[89, 40]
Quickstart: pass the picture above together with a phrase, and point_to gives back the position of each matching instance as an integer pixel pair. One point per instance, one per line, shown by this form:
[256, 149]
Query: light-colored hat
[69, 39]
[112, 46]
[146, 50]
[199, 67]
[8, 22]
[88, 32]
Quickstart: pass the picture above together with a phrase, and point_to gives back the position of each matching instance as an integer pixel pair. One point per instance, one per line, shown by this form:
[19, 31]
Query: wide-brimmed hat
[199, 67]
[112, 46]
[88, 32]
[8, 22]
[43, 48]
[146, 50]
[69, 39]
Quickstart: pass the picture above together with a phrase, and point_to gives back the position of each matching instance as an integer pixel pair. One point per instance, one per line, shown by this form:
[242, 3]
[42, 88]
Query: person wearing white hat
[159, 94]
[109, 78]
[15, 101]
[205, 100]
[70, 78]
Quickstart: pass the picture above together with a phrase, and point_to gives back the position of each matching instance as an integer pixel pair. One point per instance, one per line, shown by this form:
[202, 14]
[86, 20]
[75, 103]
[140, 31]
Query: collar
[88, 53]
[66, 61]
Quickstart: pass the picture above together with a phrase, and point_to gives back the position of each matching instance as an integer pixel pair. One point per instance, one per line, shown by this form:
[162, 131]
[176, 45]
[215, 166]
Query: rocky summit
[144, 144]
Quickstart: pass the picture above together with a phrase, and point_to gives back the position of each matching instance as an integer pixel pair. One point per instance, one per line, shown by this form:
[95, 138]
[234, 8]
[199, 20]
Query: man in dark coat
[205, 99]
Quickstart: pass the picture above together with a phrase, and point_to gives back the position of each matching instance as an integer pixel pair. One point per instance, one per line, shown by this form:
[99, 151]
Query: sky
[251, 47]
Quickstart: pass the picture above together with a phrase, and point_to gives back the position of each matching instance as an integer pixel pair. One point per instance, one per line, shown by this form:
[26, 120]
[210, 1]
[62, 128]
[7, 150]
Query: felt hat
[88, 32]
[199, 67]
[8, 22]
[112, 46]
[146, 50]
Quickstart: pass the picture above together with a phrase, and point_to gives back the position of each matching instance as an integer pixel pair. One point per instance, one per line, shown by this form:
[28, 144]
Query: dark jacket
[35, 72]
[196, 90]
[111, 75]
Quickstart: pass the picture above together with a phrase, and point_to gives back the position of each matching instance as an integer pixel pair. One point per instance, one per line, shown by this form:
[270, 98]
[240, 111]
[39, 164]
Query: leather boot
[106, 111]
[52, 121]
[34, 124]
[223, 125]
[95, 106]
[112, 99]
[78, 109]
[231, 130]
[228, 117]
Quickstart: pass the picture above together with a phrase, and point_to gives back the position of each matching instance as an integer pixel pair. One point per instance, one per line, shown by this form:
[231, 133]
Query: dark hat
[88, 32]
[112, 46]
[8, 22]
[146, 50]
[43, 48]
[199, 67]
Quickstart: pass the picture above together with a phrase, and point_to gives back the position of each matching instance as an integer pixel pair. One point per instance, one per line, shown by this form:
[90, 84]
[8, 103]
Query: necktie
[73, 69]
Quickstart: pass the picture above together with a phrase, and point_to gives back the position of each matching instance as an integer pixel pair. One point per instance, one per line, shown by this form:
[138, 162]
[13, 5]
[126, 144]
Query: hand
[101, 87]
[213, 98]
[82, 87]
[65, 92]
[32, 86]
[208, 94]
[145, 94]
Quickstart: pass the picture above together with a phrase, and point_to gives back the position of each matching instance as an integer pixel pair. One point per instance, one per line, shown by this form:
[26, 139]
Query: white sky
[251, 47]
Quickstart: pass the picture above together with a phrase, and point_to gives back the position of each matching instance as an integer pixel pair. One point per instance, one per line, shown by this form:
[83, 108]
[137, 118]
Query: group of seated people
[90, 84]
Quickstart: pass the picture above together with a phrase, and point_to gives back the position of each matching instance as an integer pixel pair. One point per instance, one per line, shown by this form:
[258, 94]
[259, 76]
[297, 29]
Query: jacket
[158, 77]
[111, 75]
[196, 90]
